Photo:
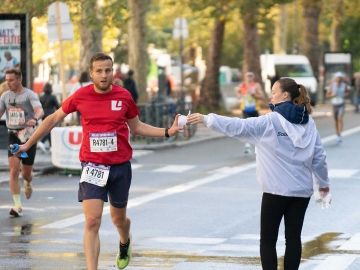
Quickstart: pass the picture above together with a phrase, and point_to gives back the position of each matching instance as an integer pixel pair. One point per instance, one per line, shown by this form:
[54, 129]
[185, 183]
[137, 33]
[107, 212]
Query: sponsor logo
[281, 133]
[116, 105]
[72, 139]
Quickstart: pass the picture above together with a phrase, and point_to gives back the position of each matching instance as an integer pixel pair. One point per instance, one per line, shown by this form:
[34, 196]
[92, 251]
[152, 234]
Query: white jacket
[287, 155]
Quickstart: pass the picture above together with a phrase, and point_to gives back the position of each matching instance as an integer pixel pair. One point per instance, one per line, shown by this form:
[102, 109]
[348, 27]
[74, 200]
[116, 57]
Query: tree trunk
[210, 91]
[311, 13]
[138, 58]
[335, 42]
[251, 56]
[90, 32]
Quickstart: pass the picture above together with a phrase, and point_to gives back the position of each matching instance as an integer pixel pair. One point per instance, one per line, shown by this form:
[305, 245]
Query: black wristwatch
[36, 120]
[167, 133]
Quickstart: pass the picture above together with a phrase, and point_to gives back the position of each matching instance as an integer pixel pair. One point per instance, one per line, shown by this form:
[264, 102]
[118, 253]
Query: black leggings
[273, 208]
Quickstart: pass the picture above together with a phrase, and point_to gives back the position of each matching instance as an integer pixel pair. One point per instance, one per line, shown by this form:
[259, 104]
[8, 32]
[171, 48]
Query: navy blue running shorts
[117, 186]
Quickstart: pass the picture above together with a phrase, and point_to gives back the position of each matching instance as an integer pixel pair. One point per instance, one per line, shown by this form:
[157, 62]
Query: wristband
[167, 133]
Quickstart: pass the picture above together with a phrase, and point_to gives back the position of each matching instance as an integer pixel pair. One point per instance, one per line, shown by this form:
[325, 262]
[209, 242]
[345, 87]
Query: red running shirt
[103, 117]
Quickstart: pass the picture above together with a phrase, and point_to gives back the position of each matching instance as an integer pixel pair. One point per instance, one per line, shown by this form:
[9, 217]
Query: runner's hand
[32, 122]
[174, 128]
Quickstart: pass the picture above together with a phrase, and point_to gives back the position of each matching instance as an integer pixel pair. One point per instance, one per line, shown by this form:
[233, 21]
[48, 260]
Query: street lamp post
[181, 32]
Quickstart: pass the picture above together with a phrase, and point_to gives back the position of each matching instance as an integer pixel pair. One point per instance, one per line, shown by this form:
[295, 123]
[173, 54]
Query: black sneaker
[16, 212]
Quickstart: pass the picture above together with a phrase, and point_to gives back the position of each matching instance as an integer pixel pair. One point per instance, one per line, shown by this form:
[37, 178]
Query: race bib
[16, 116]
[249, 104]
[337, 100]
[25, 133]
[95, 174]
[103, 142]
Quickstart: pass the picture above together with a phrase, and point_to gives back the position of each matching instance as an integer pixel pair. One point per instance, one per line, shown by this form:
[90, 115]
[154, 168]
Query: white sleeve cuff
[206, 120]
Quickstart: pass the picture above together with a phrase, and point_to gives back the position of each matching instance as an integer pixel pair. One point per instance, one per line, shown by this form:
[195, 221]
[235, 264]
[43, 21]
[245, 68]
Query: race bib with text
[103, 142]
[16, 116]
[95, 174]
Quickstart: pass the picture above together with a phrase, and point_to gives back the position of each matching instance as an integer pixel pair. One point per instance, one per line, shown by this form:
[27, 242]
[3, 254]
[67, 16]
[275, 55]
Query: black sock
[125, 245]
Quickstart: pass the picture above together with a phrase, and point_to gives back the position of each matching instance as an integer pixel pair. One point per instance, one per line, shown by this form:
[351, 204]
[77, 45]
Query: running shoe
[28, 189]
[124, 256]
[16, 212]
[339, 140]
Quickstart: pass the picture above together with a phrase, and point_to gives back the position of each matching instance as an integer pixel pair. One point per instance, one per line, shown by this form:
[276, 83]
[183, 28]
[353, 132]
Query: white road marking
[189, 240]
[175, 168]
[336, 262]
[339, 173]
[352, 244]
[64, 223]
[346, 133]
[238, 247]
[140, 153]
[136, 166]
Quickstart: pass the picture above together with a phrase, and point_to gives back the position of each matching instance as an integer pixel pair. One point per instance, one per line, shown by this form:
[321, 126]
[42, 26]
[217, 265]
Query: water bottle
[14, 148]
[323, 199]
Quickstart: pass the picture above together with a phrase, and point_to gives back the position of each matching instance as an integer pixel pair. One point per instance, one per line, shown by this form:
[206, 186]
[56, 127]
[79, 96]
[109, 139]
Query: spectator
[130, 85]
[84, 80]
[357, 91]
[50, 105]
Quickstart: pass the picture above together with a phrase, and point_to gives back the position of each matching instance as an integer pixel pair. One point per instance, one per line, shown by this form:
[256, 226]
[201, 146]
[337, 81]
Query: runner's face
[102, 75]
[13, 82]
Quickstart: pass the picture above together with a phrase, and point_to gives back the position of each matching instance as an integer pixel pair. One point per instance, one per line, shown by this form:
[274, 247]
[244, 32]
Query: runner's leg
[121, 222]
[14, 167]
[93, 209]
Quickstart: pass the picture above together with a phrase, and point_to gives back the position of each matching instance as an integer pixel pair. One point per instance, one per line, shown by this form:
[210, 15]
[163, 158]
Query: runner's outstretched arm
[45, 127]
[140, 128]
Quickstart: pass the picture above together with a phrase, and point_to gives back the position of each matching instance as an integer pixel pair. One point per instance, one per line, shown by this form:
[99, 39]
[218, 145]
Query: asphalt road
[192, 207]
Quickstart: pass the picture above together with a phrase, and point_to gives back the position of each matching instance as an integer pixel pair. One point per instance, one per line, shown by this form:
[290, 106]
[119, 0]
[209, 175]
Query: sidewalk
[43, 162]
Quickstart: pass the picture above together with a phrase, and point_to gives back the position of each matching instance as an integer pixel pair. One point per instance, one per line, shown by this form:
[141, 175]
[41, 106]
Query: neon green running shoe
[124, 256]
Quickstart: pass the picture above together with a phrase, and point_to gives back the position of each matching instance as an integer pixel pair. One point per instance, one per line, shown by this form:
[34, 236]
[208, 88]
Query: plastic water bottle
[14, 148]
[326, 200]
[323, 199]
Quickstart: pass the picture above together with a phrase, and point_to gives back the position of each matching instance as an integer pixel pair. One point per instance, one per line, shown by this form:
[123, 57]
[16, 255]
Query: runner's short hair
[99, 57]
[15, 71]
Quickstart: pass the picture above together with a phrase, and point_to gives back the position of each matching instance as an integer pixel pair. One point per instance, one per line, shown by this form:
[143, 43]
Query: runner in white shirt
[337, 92]
[288, 153]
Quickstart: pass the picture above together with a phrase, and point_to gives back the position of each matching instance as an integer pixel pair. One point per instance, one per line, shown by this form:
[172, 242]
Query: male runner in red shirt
[107, 112]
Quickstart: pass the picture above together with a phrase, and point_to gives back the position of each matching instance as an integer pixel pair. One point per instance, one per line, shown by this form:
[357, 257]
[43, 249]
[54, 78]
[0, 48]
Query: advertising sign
[14, 36]
[66, 142]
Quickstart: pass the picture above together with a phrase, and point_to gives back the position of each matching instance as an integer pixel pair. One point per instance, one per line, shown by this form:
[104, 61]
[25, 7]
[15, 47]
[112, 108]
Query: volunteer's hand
[195, 118]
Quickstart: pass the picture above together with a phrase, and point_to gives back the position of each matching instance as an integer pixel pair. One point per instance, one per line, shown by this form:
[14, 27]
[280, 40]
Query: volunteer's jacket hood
[294, 114]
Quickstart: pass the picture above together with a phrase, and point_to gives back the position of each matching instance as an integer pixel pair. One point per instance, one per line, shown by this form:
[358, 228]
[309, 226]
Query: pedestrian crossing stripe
[352, 244]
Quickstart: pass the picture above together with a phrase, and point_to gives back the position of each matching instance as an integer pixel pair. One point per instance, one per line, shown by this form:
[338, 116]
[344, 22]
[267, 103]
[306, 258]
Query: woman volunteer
[289, 152]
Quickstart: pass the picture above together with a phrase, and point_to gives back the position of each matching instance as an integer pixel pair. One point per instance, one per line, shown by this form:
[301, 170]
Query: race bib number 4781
[95, 174]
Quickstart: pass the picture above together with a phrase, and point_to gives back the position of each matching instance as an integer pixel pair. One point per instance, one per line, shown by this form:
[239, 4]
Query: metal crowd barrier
[162, 114]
